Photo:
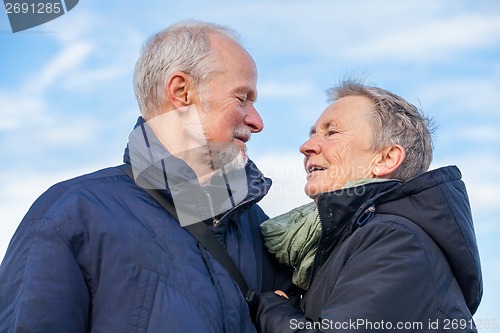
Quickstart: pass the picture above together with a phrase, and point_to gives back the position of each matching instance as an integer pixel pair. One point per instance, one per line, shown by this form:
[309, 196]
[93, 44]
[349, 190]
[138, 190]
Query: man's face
[339, 148]
[227, 100]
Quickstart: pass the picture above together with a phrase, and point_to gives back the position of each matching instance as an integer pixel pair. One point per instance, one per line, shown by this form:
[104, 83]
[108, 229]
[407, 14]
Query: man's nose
[253, 120]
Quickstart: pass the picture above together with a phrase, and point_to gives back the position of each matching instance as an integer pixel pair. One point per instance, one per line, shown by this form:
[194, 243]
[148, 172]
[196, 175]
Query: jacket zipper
[215, 222]
[219, 221]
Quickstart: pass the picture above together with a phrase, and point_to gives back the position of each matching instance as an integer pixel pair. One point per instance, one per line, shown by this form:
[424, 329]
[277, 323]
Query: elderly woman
[386, 245]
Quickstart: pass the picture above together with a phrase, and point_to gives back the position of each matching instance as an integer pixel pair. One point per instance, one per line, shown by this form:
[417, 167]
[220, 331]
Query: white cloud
[367, 31]
[28, 105]
[33, 124]
[90, 50]
[69, 131]
[42, 112]
[467, 95]
[437, 38]
[17, 108]
[86, 80]
[275, 89]
[65, 62]
[482, 135]
[288, 175]
[78, 24]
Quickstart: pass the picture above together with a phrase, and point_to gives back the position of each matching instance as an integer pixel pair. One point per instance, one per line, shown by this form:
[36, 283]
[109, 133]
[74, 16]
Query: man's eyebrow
[250, 92]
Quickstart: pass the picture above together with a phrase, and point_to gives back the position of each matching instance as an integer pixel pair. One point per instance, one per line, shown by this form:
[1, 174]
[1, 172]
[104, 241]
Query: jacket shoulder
[72, 191]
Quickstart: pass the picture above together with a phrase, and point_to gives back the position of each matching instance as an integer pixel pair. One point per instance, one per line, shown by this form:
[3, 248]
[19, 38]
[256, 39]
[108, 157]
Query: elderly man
[386, 246]
[98, 254]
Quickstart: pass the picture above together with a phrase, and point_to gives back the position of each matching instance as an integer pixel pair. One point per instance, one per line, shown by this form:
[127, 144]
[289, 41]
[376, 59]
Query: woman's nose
[310, 147]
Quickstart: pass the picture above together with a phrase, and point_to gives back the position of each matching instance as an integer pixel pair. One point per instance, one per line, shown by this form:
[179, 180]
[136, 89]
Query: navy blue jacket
[392, 257]
[98, 254]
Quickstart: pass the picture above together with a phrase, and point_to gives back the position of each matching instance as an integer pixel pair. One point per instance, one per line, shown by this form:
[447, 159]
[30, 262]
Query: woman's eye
[331, 132]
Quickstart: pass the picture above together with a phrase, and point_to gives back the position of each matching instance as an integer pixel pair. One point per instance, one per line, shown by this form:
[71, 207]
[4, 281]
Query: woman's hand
[281, 293]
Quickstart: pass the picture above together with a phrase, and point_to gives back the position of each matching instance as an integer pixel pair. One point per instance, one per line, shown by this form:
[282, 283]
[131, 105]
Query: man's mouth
[242, 138]
[242, 134]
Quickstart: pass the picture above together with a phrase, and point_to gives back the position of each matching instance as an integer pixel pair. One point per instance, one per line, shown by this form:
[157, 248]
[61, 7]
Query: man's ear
[388, 161]
[179, 90]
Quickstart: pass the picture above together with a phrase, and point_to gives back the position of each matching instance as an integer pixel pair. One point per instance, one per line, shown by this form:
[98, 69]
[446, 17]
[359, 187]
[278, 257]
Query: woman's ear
[179, 90]
[388, 161]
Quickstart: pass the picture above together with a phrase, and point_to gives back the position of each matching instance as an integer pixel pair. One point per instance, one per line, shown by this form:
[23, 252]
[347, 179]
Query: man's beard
[227, 155]
[220, 156]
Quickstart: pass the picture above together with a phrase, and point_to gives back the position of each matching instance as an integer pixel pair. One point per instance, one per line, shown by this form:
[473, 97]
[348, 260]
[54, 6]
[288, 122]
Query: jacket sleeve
[42, 288]
[385, 279]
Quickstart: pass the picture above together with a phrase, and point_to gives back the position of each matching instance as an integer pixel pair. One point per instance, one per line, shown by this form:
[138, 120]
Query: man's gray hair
[182, 47]
[394, 121]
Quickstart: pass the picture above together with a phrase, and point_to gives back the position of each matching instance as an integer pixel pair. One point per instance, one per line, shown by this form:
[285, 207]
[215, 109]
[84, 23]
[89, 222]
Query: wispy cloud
[434, 39]
[464, 95]
[275, 89]
[369, 31]
[17, 107]
[68, 60]
[480, 135]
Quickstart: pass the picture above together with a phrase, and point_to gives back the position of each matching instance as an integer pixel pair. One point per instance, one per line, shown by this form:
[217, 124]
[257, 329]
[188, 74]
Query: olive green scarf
[293, 237]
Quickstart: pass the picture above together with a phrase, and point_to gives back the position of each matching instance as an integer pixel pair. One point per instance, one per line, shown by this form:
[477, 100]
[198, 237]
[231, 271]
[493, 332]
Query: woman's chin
[311, 191]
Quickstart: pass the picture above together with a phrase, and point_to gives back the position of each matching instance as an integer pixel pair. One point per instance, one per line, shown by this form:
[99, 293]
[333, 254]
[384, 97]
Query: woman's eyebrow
[312, 130]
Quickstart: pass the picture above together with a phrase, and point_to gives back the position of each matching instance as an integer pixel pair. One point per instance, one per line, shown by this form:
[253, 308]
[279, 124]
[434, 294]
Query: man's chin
[228, 156]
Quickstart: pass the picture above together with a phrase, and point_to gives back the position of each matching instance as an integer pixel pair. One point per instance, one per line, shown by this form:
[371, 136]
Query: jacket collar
[178, 183]
[339, 210]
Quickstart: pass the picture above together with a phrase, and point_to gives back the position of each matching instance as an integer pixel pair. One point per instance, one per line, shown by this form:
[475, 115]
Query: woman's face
[339, 148]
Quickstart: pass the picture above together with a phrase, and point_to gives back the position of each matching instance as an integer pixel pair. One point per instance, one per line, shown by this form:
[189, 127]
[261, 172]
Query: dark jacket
[98, 254]
[392, 257]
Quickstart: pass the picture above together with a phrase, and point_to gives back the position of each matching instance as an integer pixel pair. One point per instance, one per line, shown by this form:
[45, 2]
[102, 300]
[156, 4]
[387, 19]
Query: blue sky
[67, 105]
